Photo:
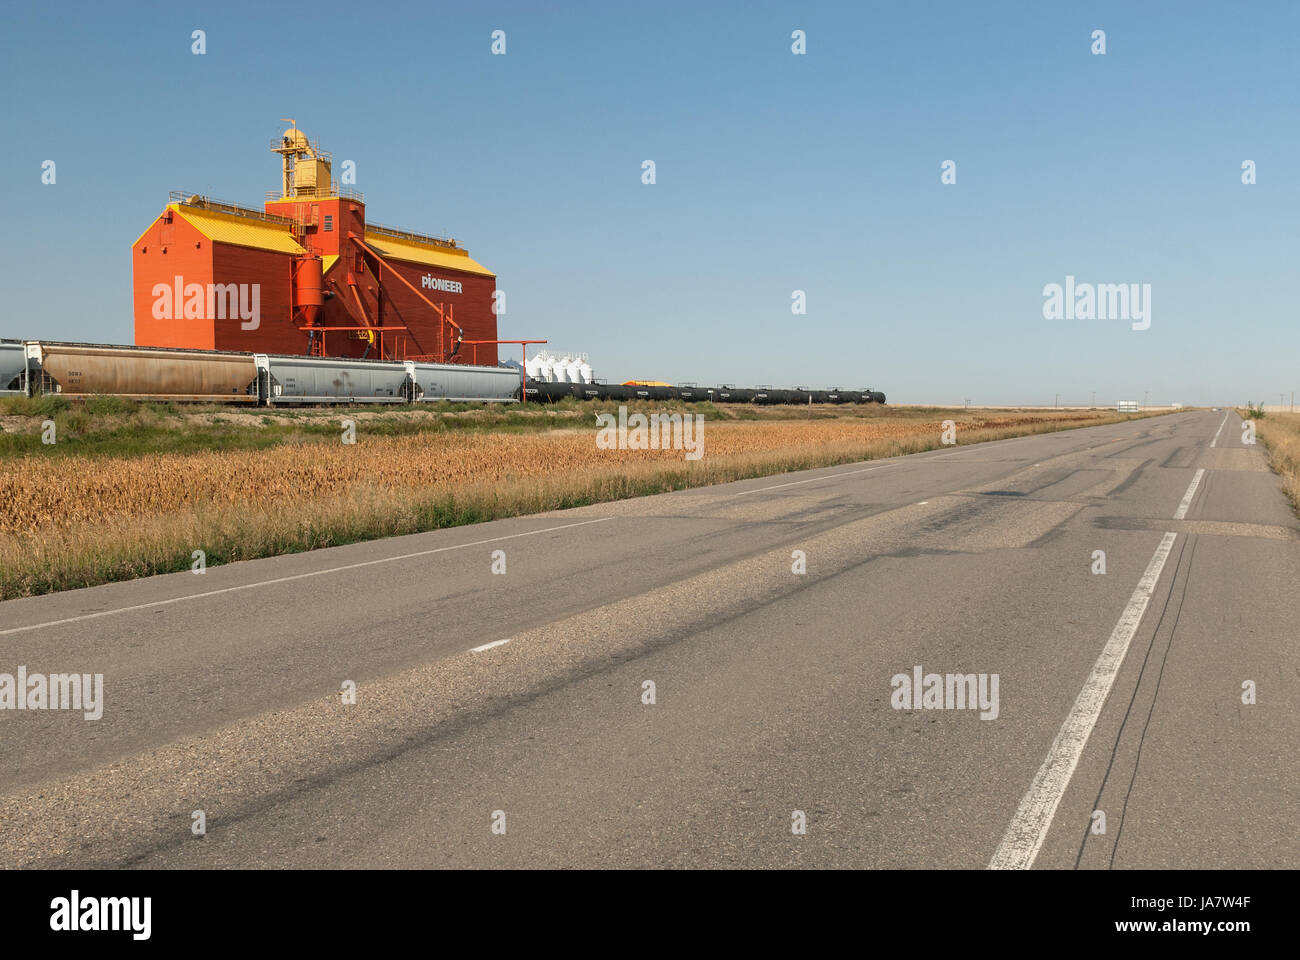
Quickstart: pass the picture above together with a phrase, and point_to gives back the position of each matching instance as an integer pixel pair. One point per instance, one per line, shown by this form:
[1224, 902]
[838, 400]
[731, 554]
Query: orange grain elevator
[307, 274]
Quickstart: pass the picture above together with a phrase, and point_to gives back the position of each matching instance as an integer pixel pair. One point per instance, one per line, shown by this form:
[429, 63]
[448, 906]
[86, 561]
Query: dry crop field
[1280, 434]
[78, 519]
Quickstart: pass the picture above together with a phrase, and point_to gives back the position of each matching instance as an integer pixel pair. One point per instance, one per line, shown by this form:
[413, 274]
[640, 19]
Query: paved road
[1119, 692]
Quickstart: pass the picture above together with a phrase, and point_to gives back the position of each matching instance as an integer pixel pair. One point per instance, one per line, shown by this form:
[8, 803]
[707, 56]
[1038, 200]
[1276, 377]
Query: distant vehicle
[1177, 406]
[1127, 406]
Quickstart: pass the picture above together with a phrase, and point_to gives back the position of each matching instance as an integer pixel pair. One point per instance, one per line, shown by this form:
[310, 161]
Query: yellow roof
[238, 231]
[432, 256]
[327, 261]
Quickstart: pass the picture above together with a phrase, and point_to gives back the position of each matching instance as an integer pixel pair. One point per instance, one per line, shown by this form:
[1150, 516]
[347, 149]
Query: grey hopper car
[461, 383]
[13, 367]
[288, 380]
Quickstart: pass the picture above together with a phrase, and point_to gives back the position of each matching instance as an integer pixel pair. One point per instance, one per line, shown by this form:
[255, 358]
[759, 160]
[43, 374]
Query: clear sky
[775, 172]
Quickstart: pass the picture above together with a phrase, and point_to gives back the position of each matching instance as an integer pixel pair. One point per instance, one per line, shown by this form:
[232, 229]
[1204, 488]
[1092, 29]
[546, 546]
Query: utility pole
[966, 403]
[1094, 398]
[1058, 401]
[1146, 397]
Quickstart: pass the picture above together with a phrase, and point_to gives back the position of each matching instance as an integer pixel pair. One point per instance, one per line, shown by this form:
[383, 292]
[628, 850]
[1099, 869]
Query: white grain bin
[584, 372]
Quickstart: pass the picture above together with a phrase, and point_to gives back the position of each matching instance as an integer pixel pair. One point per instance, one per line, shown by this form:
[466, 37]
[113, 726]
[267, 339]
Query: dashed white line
[1187, 497]
[489, 646]
[1028, 828]
[297, 576]
[1219, 431]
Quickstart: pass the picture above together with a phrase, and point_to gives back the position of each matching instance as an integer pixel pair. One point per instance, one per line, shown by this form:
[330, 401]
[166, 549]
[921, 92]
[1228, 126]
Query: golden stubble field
[38, 492]
[1280, 435]
[70, 521]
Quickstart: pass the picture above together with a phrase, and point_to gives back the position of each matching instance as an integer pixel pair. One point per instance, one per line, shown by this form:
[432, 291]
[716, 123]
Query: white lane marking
[1219, 431]
[1187, 497]
[489, 646]
[1028, 828]
[794, 483]
[297, 576]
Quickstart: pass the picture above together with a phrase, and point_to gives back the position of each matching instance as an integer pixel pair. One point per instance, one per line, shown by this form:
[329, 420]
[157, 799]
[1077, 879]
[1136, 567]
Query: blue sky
[775, 172]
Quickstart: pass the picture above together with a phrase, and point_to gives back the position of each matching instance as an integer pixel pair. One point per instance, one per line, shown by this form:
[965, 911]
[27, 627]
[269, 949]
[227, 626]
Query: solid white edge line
[1028, 828]
[1220, 430]
[829, 476]
[489, 646]
[297, 576]
[1187, 497]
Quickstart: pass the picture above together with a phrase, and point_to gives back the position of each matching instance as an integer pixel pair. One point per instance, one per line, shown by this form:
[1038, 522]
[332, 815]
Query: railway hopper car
[81, 370]
[298, 380]
[464, 384]
[13, 368]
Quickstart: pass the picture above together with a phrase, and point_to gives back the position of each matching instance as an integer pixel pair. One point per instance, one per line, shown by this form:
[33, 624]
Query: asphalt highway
[707, 679]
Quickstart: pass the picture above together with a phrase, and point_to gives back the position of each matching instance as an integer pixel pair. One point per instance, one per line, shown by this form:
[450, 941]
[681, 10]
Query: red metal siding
[166, 251]
[344, 215]
[275, 332]
[472, 308]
